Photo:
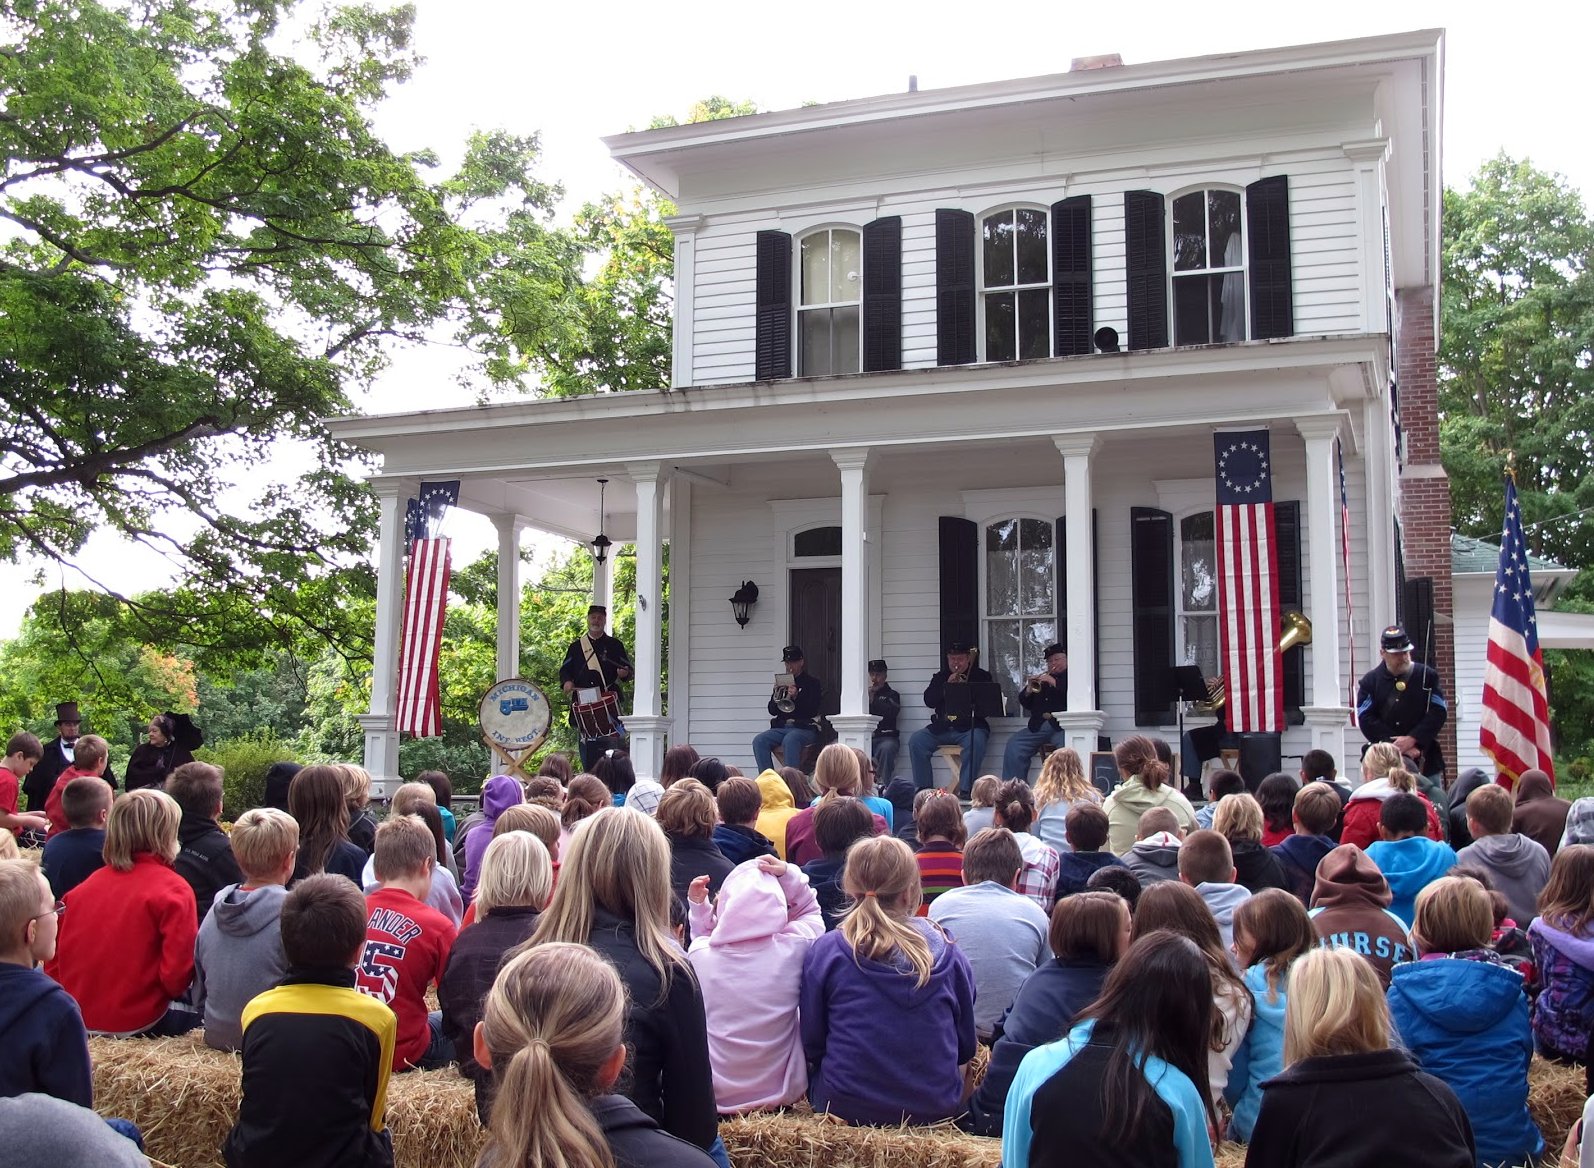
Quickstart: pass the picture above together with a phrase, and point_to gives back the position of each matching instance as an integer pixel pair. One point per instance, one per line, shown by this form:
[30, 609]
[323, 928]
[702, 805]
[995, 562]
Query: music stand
[1189, 687]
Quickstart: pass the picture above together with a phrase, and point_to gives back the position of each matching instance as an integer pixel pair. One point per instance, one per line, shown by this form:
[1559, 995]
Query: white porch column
[646, 725]
[381, 738]
[1082, 720]
[854, 725]
[1326, 714]
[509, 528]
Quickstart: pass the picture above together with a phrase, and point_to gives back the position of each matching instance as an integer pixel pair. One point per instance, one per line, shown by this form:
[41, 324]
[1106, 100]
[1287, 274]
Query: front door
[816, 627]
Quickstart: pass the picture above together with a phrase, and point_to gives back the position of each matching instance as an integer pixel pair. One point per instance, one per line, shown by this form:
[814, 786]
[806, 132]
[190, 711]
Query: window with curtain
[1016, 284]
[829, 339]
[1198, 593]
[1020, 599]
[1208, 268]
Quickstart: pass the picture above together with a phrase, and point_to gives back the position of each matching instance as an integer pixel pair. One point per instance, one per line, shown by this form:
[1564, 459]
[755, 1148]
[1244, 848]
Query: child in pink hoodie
[748, 951]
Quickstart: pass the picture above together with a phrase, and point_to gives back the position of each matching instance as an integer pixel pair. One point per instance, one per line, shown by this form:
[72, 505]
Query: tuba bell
[1295, 628]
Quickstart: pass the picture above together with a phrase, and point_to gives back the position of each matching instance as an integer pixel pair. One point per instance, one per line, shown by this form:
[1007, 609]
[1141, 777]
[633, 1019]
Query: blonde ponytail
[882, 877]
[554, 1017]
[1383, 761]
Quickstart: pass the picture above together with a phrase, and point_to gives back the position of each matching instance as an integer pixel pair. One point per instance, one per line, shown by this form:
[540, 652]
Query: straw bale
[796, 1140]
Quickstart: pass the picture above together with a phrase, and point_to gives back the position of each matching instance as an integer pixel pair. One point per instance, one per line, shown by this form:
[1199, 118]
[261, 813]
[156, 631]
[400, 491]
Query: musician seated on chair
[1202, 744]
[1042, 696]
[950, 728]
[793, 709]
[885, 703]
[594, 661]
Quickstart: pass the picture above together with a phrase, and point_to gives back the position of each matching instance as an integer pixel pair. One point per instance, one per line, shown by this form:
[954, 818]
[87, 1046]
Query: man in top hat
[1042, 696]
[884, 703]
[1400, 701]
[57, 757]
[945, 729]
[594, 660]
[794, 731]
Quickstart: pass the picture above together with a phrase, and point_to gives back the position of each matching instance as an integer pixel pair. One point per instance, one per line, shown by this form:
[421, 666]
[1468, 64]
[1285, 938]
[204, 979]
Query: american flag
[1516, 709]
[1344, 555]
[425, 598]
[1248, 590]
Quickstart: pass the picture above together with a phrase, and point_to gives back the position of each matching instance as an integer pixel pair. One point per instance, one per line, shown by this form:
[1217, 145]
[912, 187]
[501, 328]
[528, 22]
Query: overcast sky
[1516, 78]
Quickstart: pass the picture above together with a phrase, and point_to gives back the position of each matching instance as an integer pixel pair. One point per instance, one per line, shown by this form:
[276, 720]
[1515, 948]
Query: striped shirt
[940, 869]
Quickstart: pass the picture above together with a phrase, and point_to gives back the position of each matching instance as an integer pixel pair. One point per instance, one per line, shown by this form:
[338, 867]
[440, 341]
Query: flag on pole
[1344, 555]
[425, 599]
[1248, 591]
[1516, 708]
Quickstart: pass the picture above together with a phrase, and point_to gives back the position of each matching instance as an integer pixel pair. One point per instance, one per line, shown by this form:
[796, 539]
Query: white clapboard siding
[918, 288]
[1109, 290]
[723, 303]
[1473, 597]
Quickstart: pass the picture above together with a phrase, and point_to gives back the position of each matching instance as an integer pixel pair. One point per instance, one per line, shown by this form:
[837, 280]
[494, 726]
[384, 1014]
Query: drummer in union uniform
[594, 660]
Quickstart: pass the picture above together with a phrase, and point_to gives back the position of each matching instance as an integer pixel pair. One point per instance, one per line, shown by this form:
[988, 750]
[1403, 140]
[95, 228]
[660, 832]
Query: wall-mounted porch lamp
[746, 596]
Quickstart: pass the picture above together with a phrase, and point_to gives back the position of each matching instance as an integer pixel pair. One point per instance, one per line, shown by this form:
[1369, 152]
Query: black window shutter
[1095, 586]
[1146, 267]
[1151, 571]
[1287, 536]
[954, 288]
[1071, 287]
[960, 580]
[1416, 613]
[772, 328]
[1267, 215]
[882, 294]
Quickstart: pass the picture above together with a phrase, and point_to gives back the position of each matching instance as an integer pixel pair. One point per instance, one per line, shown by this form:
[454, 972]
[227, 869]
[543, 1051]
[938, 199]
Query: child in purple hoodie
[499, 794]
[1563, 950]
[887, 1001]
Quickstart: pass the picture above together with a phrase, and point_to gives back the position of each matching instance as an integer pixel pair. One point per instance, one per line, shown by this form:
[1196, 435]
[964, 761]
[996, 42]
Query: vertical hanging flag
[1248, 589]
[1344, 555]
[1516, 709]
[425, 598]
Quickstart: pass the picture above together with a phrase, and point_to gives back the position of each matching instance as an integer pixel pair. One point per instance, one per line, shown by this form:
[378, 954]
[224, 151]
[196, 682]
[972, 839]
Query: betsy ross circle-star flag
[1248, 582]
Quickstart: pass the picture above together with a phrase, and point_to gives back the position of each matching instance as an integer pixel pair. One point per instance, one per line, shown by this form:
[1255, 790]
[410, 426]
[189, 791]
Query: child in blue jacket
[1463, 1014]
[1408, 859]
[1271, 930]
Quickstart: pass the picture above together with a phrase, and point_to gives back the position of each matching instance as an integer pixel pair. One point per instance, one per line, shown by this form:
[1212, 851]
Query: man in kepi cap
[949, 729]
[595, 661]
[1042, 696]
[57, 757]
[884, 703]
[794, 729]
[1400, 701]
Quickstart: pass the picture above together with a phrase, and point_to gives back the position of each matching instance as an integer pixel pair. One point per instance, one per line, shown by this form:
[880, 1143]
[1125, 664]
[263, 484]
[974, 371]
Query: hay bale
[1555, 1098]
[184, 1098]
[793, 1139]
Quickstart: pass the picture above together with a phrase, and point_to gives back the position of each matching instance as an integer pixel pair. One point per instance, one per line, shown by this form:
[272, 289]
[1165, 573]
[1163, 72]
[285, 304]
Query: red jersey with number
[406, 946]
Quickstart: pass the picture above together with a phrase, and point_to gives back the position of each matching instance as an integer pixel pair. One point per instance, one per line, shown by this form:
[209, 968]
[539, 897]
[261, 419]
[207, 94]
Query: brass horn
[1295, 629]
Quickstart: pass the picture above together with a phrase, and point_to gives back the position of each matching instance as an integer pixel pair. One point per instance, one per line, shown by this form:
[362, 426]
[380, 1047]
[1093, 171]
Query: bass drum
[515, 715]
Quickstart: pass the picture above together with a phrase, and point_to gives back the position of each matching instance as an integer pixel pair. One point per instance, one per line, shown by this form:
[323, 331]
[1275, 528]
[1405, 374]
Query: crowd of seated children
[516, 884]
[1271, 932]
[839, 823]
[1275, 795]
[1518, 867]
[1384, 773]
[69, 856]
[1317, 808]
[1014, 809]
[1207, 865]
[1348, 1094]
[748, 947]
[316, 1052]
[1002, 933]
[1154, 856]
[939, 832]
[1220, 785]
[836, 774]
[687, 814]
[885, 992]
[1128, 1083]
[1177, 907]
[126, 945]
[1409, 860]
[498, 793]
[1350, 910]
[553, 1029]
[1061, 786]
[1318, 766]
[1089, 934]
[238, 954]
[1563, 953]
[1462, 1013]
[614, 896]
[736, 835]
[1239, 820]
[316, 800]
[1086, 828]
[1145, 784]
[420, 799]
[1507, 939]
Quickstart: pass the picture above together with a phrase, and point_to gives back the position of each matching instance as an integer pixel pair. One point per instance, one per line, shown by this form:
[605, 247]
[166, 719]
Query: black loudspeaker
[1260, 756]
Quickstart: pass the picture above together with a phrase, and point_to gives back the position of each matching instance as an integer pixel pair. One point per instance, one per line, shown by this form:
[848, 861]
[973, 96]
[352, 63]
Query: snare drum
[599, 719]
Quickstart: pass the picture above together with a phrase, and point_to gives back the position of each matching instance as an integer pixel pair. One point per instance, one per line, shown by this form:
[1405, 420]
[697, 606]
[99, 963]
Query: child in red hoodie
[126, 947]
[91, 754]
[407, 942]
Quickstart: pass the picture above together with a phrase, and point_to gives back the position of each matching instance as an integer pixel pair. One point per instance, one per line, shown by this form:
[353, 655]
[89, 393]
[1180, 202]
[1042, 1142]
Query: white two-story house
[948, 364]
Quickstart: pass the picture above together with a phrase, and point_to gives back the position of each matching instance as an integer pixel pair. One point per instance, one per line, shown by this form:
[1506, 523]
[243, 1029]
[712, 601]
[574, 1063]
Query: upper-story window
[1020, 599]
[1016, 283]
[829, 337]
[1208, 268]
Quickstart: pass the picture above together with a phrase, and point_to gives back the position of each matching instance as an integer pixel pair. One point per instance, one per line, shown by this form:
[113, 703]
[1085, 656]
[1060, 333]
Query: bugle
[784, 695]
